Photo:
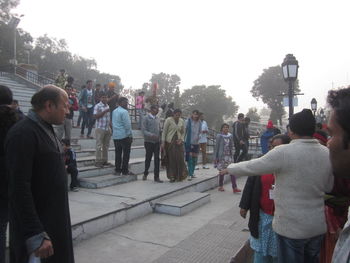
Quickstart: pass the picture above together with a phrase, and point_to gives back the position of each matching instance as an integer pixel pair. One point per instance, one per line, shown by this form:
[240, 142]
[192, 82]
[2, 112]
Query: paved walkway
[211, 233]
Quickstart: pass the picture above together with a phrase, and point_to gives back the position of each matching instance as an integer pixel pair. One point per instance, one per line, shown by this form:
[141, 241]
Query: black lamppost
[314, 105]
[13, 23]
[290, 73]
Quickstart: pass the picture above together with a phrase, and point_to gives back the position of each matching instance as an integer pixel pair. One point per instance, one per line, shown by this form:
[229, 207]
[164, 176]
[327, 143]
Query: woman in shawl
[223, 156]
[172, 144]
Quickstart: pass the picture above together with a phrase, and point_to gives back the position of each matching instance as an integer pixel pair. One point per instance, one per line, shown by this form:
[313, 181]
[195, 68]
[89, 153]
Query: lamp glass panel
[313, 106]
[292, 71]
[285, 72]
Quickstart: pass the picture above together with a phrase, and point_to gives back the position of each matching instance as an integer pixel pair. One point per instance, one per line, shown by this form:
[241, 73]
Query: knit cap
[303, 123]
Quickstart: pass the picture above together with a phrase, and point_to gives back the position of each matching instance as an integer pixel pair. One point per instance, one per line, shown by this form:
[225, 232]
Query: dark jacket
[239, 131]
[250, 200]
[38, 195]
[8, 119]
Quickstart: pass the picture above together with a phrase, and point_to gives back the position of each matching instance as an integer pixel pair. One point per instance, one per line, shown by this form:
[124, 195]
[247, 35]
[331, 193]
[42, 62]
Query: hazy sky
[224, 42]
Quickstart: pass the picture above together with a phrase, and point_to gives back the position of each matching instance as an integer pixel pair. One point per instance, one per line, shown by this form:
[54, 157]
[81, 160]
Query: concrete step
[105, 180]
[92, 151]
[75, 146]
[182, 204]
[91, 143]
[94, 211]
[91, 171]
[137, 152]
[136, 166]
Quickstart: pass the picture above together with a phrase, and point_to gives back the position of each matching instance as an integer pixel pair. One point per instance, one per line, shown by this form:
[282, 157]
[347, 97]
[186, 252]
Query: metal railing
[32, 77]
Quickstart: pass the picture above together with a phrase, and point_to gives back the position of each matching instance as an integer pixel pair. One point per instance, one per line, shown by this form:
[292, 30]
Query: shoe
[172, 180]
[128, 173]
[116, 173]
[221, 189]
[236, 190]
[82, 136]
[144, 178]
[74, 189]
[197, 168]
[189, 178]
[206, 167]
[89, 137]
[107, 163]
[158, 181]
[194, 176]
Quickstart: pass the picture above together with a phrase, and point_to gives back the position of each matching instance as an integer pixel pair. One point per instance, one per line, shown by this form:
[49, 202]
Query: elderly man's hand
[223, 172]
[243, 213]
[45, 250]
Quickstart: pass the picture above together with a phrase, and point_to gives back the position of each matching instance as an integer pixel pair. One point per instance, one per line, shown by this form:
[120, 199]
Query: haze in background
[205, 42]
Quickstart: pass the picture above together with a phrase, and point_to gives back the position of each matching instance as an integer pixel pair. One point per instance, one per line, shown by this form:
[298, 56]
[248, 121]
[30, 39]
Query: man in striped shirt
[102, 131]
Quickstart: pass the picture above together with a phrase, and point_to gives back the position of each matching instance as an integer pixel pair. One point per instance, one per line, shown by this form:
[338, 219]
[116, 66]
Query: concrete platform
[211, 233]
[95, 211]
[182, 204]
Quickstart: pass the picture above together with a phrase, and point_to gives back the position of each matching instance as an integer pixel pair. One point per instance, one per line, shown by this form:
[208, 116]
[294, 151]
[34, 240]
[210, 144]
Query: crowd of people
[297, 192]
[298, 204]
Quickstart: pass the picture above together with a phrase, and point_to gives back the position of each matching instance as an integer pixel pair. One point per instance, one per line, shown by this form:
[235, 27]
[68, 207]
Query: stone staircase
[21, 92]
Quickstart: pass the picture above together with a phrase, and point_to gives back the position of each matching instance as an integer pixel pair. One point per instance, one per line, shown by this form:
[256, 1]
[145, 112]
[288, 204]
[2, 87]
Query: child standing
[71, 164]
[223, 156]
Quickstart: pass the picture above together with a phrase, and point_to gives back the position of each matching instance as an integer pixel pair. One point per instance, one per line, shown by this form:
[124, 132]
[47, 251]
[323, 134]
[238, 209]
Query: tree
[269, 87]
[6, 43]
[253, 114]
[212, 101]
[167, 86]
[5, 8]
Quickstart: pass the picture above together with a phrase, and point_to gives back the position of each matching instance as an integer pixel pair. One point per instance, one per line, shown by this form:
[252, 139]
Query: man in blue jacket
[87, 103]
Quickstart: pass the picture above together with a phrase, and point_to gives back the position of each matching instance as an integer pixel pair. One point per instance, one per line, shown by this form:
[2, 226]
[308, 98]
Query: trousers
[152, 149]
[102, 144]
[122, 155]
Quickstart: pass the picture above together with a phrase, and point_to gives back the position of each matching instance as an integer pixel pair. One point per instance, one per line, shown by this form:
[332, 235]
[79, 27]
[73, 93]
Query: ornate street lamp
[290, 73]
[314, 105]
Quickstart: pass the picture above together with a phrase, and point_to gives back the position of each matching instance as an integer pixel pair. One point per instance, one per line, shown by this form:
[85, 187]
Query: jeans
[152, 149]
[102, 144]
[87, 121]
[80, 117]
[73, 171]
[3, 228]
[141, 114]
[122, 155]
[203, 148]
[298, 250]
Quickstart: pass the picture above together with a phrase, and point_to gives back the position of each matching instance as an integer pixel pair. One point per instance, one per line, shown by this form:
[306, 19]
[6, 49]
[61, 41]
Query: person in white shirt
[203, 140]
[103, 130]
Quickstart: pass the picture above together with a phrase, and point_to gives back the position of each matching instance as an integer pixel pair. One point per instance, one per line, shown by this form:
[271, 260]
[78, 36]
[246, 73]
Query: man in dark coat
[38, 208]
